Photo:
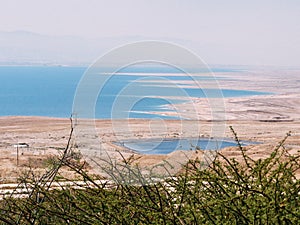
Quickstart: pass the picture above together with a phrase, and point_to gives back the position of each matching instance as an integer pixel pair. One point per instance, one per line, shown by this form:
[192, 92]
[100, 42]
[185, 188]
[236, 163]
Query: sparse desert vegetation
[228, 191]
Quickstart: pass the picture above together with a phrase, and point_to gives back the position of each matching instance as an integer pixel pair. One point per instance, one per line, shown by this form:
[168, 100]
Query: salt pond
[166, 146]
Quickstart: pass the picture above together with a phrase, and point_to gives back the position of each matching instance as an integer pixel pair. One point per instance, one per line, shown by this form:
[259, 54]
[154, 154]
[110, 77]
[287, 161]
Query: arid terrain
[265, 119]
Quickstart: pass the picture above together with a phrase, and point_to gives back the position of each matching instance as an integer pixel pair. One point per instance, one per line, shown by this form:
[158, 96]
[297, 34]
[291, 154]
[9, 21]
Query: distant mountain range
[28, 48]
[22, 47]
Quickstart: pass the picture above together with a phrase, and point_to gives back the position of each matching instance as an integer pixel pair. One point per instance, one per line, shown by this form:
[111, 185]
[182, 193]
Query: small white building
[21, 145]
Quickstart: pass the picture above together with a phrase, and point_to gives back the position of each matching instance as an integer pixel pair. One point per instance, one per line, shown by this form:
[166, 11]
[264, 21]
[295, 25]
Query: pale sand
[258, 118]
[45, 135]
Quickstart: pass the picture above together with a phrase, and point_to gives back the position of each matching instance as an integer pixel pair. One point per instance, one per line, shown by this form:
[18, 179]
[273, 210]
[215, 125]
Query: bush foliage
[263, 191]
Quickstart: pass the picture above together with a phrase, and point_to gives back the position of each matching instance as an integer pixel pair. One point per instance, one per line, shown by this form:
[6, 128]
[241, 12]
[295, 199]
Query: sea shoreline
[266, 119]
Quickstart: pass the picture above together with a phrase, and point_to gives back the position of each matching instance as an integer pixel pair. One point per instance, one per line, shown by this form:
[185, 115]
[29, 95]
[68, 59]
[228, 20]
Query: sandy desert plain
[263, 118]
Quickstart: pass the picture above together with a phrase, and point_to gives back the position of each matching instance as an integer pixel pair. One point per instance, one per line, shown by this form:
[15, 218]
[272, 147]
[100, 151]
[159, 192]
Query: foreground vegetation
[263, 191]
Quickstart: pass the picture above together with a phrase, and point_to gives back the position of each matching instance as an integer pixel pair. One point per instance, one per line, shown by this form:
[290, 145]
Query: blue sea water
[49, 91]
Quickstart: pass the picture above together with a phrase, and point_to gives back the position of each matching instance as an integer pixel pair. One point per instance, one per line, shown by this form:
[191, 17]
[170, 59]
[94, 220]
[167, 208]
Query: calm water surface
[49, 91]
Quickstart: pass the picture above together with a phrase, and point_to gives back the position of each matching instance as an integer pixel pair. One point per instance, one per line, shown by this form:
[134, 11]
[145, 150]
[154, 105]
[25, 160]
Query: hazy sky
[226, 32]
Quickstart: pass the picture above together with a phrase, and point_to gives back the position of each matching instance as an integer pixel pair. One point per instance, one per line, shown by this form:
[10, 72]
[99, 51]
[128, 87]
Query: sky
[256, 32]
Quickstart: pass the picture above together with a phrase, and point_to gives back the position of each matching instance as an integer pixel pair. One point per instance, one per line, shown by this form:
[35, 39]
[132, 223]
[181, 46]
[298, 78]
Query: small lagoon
[166, 146]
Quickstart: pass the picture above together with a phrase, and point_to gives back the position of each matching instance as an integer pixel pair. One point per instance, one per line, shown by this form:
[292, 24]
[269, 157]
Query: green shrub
[263, 191]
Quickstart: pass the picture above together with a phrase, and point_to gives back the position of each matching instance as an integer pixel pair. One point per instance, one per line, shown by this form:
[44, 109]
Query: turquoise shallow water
[166, 146]
[49, 91]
